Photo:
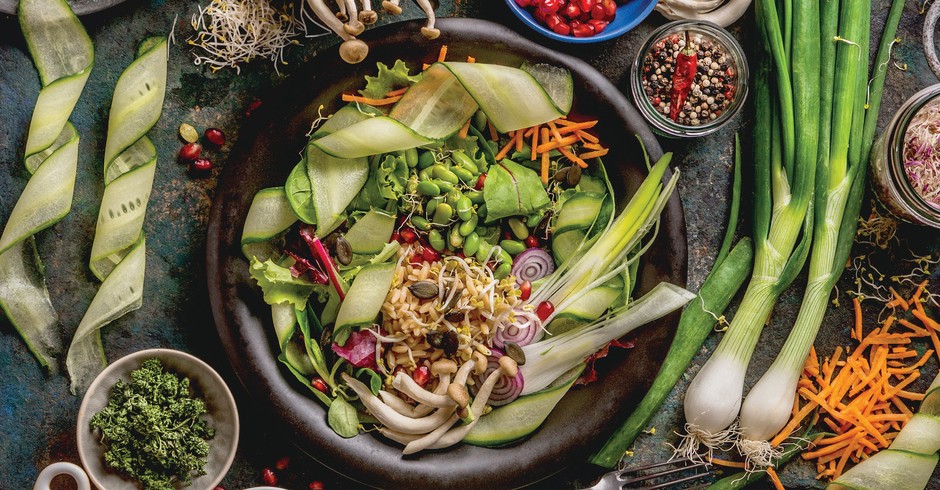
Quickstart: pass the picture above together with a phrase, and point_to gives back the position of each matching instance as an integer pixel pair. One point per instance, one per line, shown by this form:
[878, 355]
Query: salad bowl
[263, 156]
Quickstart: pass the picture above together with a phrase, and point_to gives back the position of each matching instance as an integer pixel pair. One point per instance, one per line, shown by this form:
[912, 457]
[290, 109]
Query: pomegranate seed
[215, 136]
[201, 165]
[552, 20]
[572, 11]
[480, 180]
[396, 237]
[562, 28]
[422, 375]
[586, 5]
[598, 12]
[430, 255]
[575, 23]
[316, 485]
[532, 241]
[417, 259]
[269, 477]
[598, 25]
[252, 106]
[408, 235]
[610, 8]
[526, 289]
[282, 463]
[549, 6]
[583, 30]
[539, 15]
[544, 310]
[190, 152]
[319, 384]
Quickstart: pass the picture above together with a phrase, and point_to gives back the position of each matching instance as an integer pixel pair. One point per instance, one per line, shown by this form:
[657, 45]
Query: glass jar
[889, 178]
[656, 54]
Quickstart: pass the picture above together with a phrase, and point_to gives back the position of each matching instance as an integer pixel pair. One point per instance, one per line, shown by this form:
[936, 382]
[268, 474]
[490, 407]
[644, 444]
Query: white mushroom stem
[352, 50]
[404, 408]
[353, 26]
[431, 438]
[326, 16]
[724, 15]
[391, 7]
[403, 439]
[392, 419]
[407, 385]
[455, 435]
[428, 30]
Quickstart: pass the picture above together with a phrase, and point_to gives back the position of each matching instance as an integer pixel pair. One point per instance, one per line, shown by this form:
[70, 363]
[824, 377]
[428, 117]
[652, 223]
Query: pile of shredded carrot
[862, 398]
[560, 134]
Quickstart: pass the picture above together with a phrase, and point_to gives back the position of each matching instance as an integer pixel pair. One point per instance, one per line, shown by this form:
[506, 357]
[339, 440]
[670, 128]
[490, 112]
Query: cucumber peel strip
[447, 95]
[64, 56]
[119, 250]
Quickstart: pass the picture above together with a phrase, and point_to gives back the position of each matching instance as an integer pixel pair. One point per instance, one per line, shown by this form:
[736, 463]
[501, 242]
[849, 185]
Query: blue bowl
[629, 15]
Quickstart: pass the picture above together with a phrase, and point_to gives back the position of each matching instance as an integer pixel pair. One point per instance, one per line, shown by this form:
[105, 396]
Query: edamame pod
[464, 208]
[455, 238]
[420, 223]
[513, 247]
[443, 213]
[443, 173]
[436, 240]
[428, 189]
[469, 226]
[471, 243]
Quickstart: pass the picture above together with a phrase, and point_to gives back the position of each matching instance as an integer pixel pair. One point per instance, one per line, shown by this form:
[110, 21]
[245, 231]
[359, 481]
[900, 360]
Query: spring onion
[840, 182]
[785, 168]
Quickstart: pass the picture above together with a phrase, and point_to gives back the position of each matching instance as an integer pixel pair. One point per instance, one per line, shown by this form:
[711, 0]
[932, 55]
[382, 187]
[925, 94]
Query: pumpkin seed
[561, 175]
[424, 289]
[343, 250]
[574, 175]
[515, 352]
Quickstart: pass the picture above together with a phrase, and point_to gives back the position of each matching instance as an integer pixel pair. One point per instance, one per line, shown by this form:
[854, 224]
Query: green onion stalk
[785, 172]
[840, 183]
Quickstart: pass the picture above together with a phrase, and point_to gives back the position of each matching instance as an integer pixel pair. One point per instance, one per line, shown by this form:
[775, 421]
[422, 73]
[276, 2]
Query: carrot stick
[555, 133]
[571, 128]
[571, 156]
[519, 135]
[725, 462]
[592, 146]
[774, 478]
[493, 134]
[929, 322]
[594, 154]
[372, 102]
[471, 59]
[551, 145]
[442, 54]
[509, 145]
[587, 136]
[400, 91]
[535, 143]
[464, 130]
[857, 333]
[901, 301]
[794, 423]
[544, 168]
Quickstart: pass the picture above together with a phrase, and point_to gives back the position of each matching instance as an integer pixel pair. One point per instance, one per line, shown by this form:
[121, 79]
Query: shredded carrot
[443, 54]
[509, 145]
[373, 102]
[592, 146]
[928, 322]
[915, 299]
[572, 127]
[587, 136]
[535, 143]
[557, 143]
[394, 93]
[471, 59]
[857, 333]
[794, 423]
[725, 462]
[554, 129]
[888, 323]
[593, 154]
[544, 168]
[464, 130]
[519, 136]
[571, 156]
[901, 301]
[774, 478]
[493, 134]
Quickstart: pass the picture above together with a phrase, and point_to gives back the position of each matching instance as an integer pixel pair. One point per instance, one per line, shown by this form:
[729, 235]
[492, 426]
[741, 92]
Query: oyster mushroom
[428, 31]
[352, 50]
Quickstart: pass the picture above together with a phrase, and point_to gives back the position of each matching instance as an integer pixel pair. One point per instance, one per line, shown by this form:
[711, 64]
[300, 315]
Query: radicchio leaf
[359, 349]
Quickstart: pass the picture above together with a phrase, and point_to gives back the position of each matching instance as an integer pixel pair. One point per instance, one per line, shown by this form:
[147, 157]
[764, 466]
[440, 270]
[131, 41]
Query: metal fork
[653, 476]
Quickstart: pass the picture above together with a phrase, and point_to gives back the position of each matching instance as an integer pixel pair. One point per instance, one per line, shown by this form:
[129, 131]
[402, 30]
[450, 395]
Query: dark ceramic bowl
[267, 150]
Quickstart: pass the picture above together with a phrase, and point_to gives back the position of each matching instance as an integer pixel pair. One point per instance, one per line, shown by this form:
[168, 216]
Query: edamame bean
[441, 172]
[425, 160]
[502, 271]
[411, 186]
[443, 185]
[484, 250]
[428, 188]
[503, 256]
[443, 213]
[479, 120]
[455, 239]
[453, 197]
[464, 208]
[424, 175]
[481, 211]
[476, 197]
[513, 247]
[518, 228]
[464, 175]
[432, 206]
[436, 240]
[465, 162]
[420, 223]
[471, 243]
[468, 227]
[411, 157]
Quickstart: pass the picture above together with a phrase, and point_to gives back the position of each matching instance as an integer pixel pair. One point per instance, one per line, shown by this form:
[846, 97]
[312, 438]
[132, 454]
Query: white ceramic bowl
[206, 384]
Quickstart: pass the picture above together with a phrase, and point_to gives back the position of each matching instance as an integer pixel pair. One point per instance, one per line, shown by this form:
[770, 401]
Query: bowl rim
[607, 35]
[159, 353]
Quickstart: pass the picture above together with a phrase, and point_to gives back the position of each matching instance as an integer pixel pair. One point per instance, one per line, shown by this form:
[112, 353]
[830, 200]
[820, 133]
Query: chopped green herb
[152, 428]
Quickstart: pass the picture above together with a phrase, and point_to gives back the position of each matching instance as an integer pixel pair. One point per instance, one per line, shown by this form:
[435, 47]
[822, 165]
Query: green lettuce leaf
[388, 79]
[279, 285]
[513, 190]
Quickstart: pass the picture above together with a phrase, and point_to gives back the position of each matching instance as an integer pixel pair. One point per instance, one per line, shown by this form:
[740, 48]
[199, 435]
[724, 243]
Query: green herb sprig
[152, 428]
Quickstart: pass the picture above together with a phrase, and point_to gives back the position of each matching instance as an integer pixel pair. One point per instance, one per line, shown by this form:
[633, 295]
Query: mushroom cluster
[349, 21]
[431, 423]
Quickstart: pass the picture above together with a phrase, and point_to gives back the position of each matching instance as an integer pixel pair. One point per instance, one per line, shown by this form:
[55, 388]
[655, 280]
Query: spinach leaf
[513, 190]
[343, 418]
[371, 378]
[299, 193]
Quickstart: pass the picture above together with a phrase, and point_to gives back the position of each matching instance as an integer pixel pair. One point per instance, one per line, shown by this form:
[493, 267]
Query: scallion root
[694, 438]
[758, 454]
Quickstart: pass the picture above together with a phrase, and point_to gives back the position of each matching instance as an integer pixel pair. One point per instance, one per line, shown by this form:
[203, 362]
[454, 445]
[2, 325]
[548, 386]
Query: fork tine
[650, 476]
[676, 482]
[655, 465]
[633, 476]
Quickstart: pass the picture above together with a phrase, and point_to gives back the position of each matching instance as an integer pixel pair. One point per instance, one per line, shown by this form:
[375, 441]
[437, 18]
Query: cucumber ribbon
[118, 254]
[63, 55]
[444, 99]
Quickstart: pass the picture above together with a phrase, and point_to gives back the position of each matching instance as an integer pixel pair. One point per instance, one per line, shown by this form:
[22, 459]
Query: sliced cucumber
[579, 212]
[557, 82]
[138, 100]
[25, 301]
[366, 295]
[52, 111]
[140, 153]
[372, 137]
[920, 435]
[270, 215]
[889, 469]
[119, 294]
[565, 244]
[523, 416]
[47, 197]
[335, 182]
[121, 218]
[371, 233]
[592, 184]
[284, 317]
[591, 306]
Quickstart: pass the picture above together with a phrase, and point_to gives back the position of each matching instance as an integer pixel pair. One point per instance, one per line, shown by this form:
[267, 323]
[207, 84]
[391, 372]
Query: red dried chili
[684, 75]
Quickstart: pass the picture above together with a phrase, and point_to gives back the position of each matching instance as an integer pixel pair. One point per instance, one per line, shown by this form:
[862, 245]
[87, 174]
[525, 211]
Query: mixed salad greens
[444, 268]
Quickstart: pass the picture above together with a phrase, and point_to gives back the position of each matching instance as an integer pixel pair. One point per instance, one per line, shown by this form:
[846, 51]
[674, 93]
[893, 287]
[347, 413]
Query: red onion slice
[526, 328]
[506, 389]
[532, 264]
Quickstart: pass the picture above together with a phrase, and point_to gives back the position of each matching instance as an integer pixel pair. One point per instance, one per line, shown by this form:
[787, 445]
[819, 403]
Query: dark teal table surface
[37, 412]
